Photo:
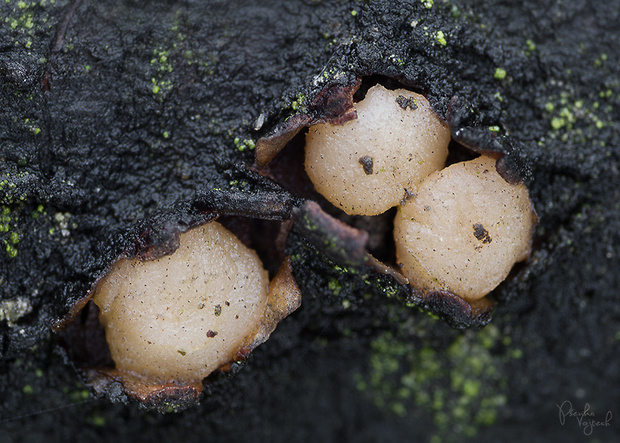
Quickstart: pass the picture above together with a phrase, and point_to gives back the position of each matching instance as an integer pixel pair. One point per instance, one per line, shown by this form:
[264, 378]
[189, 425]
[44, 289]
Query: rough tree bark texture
[112, 112]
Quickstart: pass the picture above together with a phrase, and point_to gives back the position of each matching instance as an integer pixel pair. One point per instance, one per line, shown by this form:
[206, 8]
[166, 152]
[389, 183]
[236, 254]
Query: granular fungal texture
[184, 315]
[464, 229]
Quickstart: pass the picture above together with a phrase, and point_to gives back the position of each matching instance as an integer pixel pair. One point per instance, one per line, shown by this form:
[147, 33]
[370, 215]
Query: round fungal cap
[182, 316]
[464, 229]
[368, 165]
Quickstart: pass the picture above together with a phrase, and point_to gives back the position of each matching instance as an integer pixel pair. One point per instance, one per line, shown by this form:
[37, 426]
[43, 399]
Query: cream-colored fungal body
[464, 229]
[368, 165]
[182, 316]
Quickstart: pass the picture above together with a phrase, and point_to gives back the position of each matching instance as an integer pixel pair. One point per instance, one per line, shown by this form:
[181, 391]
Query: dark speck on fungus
[481, 234]
[407, 102]
[366, 162]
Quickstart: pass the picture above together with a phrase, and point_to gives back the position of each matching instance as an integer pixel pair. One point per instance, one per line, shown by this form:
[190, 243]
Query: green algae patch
[461, 384]
[161, 62]
[334, 286]
[500, 74]
[11, 204]
[441, 38]
[300, 104]
[243, 144]
[578, 120]
[27, 21]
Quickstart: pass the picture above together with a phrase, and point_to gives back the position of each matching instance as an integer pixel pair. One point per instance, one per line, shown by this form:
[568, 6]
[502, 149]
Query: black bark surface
[112, 113]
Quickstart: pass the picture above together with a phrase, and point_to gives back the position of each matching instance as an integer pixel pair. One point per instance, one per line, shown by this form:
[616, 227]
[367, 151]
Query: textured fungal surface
[464, 229]
[184, 315]
[367, 165]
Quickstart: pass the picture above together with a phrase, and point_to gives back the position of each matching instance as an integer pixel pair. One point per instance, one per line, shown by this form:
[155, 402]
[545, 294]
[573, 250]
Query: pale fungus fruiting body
[172, 320]
[464, 229]
[459, 229]
[180, 317]
[368, 165]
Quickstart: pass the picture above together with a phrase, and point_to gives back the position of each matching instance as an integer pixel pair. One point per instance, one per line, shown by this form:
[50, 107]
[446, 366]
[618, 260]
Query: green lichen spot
[79, 396]
[249, 144]
[98, 420]
[14, 238]
[242, 145]
[334, 286]
[531, 46]
[441, 38]
[428, 4]
[557, 123]
[35, 214]
[499, 74]
[11, 251]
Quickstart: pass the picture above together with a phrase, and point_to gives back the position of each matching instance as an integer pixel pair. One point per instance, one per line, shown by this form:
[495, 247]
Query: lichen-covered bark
[141, 106]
